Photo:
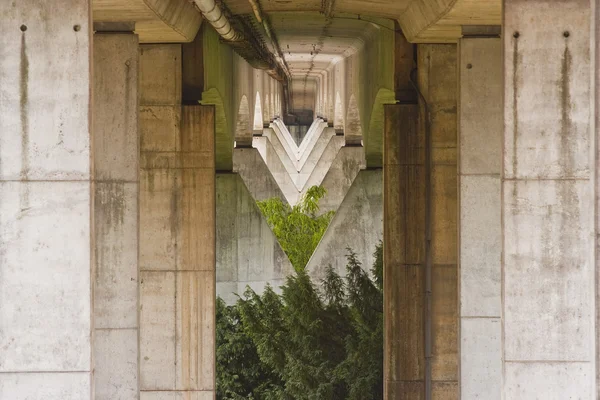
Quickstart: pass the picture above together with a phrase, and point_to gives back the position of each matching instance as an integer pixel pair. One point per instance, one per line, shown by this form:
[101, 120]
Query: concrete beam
[440, 21]
[335, 171]
[357, 223]
[156, 21]
[249, 253]
[251, 166]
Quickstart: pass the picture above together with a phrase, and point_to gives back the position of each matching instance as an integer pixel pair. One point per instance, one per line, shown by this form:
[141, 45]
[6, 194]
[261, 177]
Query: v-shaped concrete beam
[292, 166]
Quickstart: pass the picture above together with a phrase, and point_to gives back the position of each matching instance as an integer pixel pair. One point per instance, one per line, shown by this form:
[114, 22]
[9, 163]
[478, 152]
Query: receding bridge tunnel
[318, 199]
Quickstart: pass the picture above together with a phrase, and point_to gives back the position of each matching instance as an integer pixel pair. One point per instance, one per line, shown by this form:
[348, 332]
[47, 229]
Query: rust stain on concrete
[565, 107]
[515, 84]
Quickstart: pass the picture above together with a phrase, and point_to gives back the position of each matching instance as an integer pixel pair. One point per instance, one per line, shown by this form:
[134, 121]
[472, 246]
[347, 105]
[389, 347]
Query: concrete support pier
[480, 143]
[548, 266]
[437, 78]
[357, 224]
[115, 147]
[46, 236]
[248, 251]
[404, 254]
[177, 234]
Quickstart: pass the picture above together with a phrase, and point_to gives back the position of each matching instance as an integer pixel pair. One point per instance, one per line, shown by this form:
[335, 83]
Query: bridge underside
[116, 116]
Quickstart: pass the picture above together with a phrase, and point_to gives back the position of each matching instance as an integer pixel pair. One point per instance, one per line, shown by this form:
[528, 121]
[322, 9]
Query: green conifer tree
[306, 343]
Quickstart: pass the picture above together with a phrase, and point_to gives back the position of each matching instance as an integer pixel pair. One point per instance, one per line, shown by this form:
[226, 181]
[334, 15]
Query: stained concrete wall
[548, 265]
[438, 81]
[326, 163]
[281, 175]
[357, 223]
[248, 252]
[406, 206]
[480, 137]
[45, 231]
[367, 76]
[227, 78]
[177, 234]
[338, 178]
[249, 164]
[115, 215]
[404, 254]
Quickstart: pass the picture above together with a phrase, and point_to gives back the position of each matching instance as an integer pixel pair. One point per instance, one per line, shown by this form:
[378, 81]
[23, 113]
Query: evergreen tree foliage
[299, 228]
[308, 342]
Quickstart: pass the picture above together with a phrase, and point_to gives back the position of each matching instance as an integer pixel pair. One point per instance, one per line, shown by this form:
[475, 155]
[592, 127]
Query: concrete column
[404, 254]
[437, 78]
[548, 267]
[357, 223]
[115, 215]
[45, 194]
[480, 137]
[177, 235]
[249, 253]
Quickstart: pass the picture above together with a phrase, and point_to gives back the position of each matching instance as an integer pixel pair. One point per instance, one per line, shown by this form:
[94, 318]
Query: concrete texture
[249, 253]
[338, 177]
[404, 254]
[177, 239]
[322, 162]
[45, 230]
[437, 78]
[547, 206]
[282, 149]
[115, 215]
[358, 224]
[278, 170]
[45, 385]
[480, 234]
[181, 395]
[323, 152]
[251, 167]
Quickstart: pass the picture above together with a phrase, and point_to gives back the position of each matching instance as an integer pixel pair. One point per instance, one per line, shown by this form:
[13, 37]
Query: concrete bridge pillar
[46, 186]
[177, 234]
[115, 165]
[548, 191]
[480, 147]
[420, 235]
[404, 254]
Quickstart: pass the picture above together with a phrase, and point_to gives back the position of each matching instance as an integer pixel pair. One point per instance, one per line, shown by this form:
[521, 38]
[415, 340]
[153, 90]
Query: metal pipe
[256, 8]
[428, 241]
[214, 15]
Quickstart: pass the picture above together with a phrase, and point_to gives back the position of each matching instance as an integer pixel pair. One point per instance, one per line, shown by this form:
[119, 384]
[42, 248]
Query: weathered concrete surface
[248, 252]
[322, 164]
[358, 224]
[322, 153]
[437, 79]
[285, 157]
[249, 164]
[338, 178]
[157, 21]
[115, 215]
[177, 236]
[278, 170]
[403, 254]
[548, 266]
[45, 231]
[480, 137]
